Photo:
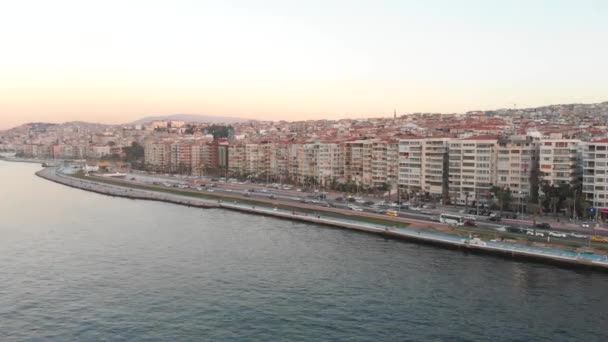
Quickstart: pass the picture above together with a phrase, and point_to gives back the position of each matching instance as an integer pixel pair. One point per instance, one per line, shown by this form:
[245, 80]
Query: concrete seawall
[51, 175]
[509, 250]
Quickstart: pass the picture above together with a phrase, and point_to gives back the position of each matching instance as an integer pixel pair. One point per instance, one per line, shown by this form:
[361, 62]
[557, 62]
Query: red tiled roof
[482, 137]
[601, 141]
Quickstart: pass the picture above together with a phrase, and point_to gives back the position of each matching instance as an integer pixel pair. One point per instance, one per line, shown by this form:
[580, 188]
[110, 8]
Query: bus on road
[451, 219]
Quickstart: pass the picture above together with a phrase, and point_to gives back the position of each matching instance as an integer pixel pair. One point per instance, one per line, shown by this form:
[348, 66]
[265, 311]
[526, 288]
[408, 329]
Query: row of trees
[553, 199]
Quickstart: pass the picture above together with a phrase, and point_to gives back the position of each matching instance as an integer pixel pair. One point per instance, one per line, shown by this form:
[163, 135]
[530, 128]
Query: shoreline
[505, 250]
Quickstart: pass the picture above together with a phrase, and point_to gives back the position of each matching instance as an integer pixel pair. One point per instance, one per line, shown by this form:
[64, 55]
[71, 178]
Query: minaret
[394, 114]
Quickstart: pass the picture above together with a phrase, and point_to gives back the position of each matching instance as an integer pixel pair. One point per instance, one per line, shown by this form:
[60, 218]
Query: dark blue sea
[78, 266]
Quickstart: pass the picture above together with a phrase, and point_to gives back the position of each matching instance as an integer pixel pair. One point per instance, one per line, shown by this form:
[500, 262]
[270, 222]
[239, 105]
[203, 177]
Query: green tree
[189, 129]
[133, 153]
[220, 131]
[503, 196]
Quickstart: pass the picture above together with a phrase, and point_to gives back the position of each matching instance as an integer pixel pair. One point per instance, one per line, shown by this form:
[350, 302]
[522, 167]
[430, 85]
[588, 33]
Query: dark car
[495, 218]
[512, 229]
[470, 223]
[542, 225]
[339, 199]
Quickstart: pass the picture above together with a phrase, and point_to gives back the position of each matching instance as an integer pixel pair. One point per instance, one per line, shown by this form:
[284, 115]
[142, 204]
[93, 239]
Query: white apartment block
[558, 160]
[595, 173]
[517, 161]
[472, 169]
[328, 164]
[422, 165]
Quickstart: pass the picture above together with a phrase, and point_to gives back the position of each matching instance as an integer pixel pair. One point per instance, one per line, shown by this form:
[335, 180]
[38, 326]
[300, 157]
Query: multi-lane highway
[364, 205]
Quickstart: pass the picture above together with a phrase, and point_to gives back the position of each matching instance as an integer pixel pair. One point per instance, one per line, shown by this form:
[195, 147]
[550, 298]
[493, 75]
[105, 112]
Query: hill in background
[189, 118]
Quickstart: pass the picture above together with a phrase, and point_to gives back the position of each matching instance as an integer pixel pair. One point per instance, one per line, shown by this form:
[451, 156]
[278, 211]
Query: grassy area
[241, 200]
[485, 234]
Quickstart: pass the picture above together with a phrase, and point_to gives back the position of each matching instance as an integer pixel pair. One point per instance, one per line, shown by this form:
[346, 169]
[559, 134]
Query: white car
[353, 208]
[585, 225]
[578, 236]
[557, 234]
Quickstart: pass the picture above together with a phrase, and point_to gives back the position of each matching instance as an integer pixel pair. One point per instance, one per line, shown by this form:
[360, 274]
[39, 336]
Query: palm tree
[553, 202]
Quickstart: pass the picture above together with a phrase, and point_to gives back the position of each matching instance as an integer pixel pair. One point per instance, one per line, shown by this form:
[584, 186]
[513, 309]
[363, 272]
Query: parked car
[558, 234]
[470, 223]
[579, 236]
[392, 213]
[599, 239]
[516, 229]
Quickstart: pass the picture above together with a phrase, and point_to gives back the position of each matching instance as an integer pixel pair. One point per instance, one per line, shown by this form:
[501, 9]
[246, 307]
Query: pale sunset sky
[116, 61]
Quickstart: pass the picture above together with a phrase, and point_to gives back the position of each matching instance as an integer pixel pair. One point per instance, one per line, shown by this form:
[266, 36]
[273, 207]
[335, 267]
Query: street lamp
[521, 203]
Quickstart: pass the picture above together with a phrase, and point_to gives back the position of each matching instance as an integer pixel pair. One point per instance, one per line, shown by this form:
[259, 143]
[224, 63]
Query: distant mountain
[189, 118]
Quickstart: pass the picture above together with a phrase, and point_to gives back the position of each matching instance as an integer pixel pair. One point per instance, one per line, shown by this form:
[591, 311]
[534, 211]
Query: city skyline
[115, 63]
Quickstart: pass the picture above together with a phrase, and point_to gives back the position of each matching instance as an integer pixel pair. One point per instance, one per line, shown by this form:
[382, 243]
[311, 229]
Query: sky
[116, 61]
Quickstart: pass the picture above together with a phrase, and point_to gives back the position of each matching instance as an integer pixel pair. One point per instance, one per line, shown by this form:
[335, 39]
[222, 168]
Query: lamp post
[574, 207]
[521, 203]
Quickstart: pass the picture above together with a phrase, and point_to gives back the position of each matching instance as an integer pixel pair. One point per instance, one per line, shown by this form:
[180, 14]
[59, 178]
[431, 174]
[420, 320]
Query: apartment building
[595, 173]
[236, 159]
[181, 157]
[331, 163]
[357, 162]
[517, 165]
[423, 166]
[558, 160]
[196, 164]
[384, 163]
[472, 169]
[97, 151]
[280, 159]
[157, 156]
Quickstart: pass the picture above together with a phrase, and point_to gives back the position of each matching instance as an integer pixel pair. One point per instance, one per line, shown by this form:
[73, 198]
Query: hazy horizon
[114, 63]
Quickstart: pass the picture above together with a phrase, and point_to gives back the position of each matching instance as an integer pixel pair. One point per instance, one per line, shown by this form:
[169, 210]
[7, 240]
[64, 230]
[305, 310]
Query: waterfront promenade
[325, 218]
